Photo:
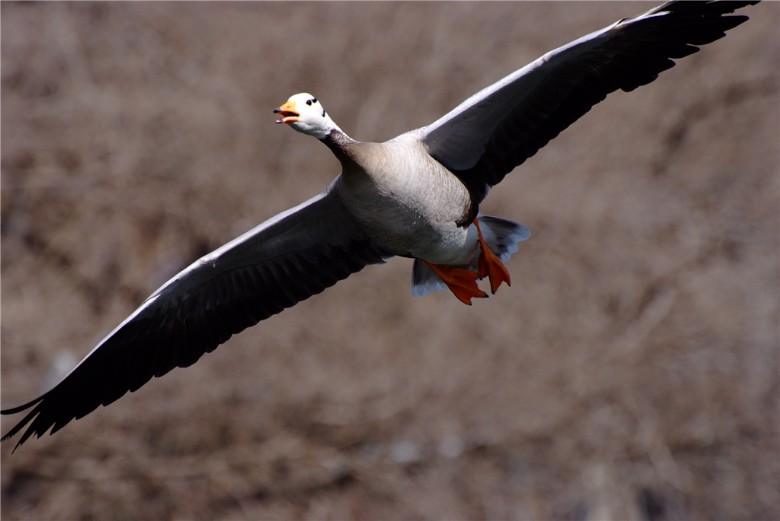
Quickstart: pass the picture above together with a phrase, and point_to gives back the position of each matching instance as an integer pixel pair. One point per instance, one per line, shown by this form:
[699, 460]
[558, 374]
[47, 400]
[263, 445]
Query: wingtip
[29, 417]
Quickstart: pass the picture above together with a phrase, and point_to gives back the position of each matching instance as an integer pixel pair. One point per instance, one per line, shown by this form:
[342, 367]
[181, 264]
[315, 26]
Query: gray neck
[339, 143]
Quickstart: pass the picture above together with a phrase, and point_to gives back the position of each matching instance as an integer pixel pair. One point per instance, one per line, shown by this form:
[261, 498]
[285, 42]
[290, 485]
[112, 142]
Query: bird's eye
[311, 101]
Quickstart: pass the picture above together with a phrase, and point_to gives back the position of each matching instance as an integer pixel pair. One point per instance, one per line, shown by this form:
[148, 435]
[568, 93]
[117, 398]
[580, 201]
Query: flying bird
[416, 195]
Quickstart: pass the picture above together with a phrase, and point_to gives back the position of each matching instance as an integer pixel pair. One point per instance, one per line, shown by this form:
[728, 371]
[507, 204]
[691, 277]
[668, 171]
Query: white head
[304, 113]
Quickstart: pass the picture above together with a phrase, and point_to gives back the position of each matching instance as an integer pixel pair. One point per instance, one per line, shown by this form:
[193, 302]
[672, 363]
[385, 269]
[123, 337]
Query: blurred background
[629, 373]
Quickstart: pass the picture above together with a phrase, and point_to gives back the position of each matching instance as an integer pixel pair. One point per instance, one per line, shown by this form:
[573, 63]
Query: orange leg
[490, 265]
[461, 281]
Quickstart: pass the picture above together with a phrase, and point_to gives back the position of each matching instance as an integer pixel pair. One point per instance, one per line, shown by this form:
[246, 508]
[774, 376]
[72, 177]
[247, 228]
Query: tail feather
[503, 237]
[424, 279]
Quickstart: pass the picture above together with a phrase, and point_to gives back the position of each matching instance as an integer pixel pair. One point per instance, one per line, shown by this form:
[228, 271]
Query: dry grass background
[631, 372]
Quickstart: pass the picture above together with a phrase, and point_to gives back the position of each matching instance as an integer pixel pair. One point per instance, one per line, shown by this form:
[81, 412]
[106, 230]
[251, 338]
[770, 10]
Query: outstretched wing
[277, 264]
[498, 128]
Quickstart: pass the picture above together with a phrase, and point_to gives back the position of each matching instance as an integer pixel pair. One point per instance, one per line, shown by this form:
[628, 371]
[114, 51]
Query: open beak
[288, 113]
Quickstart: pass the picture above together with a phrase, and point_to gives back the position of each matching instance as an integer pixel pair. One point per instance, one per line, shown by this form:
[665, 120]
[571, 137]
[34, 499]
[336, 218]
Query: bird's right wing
[277, 264]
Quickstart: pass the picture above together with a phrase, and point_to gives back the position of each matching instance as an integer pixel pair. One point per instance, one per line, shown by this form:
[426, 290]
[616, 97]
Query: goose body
[417, 196]
[419, 208]
[411, 205]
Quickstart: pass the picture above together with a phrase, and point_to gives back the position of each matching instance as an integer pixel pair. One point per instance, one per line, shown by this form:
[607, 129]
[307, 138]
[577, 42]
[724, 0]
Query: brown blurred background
[630, 372]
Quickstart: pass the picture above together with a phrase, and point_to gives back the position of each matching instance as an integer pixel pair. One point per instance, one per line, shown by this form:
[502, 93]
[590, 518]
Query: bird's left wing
[277, 264]
[493, 131]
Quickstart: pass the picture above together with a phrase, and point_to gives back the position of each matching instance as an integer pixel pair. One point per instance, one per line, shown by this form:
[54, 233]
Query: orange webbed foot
[461, 281]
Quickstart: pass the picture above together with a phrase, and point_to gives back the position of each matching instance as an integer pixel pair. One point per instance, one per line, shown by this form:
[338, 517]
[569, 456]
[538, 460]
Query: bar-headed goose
[417, 196]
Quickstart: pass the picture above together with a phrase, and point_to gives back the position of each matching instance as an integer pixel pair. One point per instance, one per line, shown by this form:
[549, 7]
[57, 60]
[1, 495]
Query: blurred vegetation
[630, 372]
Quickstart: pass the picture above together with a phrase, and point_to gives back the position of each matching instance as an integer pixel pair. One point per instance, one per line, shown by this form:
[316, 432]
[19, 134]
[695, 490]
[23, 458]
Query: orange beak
[288, 113]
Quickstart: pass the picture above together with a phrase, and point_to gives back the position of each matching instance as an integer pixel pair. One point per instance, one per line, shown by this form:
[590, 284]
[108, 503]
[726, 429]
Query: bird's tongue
[288, 116]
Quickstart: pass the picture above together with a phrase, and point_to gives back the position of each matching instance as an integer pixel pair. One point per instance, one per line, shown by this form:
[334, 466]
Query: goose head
[305, 113]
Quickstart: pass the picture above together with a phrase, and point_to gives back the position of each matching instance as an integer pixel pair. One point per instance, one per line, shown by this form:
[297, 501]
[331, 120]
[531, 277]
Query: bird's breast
[409, 204]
